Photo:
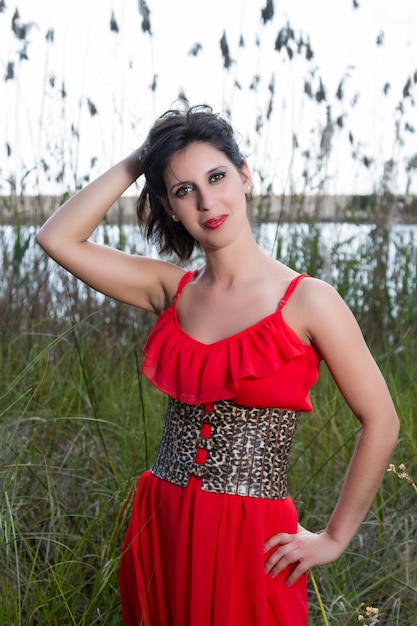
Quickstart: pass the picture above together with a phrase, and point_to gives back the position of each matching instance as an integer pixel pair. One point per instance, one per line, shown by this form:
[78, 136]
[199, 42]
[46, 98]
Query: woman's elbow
[47, 240]
[391, 430]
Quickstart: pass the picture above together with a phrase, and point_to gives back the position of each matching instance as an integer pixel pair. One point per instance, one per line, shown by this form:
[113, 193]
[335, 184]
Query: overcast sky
[114, 70]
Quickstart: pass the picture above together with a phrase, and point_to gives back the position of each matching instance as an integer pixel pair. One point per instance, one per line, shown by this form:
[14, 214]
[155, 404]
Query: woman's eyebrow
[187, 182]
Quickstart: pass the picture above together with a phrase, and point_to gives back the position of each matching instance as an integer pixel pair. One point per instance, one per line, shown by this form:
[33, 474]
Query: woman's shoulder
[315, 291]
[322, 310]
[314, 306]
[316, 298]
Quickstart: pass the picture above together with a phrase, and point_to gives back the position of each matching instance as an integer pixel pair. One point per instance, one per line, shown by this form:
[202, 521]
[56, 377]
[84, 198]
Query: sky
[299, 146]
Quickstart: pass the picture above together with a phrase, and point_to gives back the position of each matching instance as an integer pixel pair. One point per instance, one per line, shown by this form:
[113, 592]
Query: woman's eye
[217, 176]
[182, 191]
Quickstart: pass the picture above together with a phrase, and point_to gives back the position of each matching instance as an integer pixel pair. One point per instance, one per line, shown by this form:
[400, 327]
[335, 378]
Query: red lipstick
[215, 222]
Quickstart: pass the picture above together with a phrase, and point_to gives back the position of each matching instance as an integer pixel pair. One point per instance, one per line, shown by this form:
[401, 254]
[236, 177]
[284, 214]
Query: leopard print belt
[247, 448]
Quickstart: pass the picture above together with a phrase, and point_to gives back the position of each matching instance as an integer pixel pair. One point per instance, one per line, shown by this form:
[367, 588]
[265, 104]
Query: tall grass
[74, 436]
[79, 424]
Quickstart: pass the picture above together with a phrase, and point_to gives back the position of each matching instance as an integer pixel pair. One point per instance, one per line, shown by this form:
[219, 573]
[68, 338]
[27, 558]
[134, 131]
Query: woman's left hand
[303, 550]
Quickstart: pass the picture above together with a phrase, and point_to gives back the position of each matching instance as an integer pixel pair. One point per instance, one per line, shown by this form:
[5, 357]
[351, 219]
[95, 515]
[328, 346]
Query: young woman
[214, 539]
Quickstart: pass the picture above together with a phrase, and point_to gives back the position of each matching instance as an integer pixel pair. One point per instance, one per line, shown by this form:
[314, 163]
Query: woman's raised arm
[142, 282]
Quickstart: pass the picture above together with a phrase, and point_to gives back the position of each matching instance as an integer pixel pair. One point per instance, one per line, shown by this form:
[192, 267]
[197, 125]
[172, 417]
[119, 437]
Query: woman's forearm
[77, 219]
[367, 468]
[305, 549]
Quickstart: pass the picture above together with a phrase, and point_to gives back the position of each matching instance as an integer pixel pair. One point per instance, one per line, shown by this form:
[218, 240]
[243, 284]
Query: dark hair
[172, 132]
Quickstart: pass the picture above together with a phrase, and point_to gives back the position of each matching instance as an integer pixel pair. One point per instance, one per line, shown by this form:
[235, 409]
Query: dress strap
[291, 288]
[184, 280]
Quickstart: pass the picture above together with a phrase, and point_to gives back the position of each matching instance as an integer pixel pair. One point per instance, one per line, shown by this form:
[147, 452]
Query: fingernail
[286, 584]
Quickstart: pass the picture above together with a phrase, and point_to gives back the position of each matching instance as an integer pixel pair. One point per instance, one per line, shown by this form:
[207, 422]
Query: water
[340, 253]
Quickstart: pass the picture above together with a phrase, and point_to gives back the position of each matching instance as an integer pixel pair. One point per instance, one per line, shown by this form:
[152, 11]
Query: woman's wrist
[134, 163]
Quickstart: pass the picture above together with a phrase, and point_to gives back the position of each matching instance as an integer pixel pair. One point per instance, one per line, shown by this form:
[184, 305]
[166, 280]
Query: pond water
[340, 253]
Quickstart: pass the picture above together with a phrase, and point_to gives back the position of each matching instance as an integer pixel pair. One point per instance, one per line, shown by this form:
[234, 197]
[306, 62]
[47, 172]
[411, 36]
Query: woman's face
[207, 193]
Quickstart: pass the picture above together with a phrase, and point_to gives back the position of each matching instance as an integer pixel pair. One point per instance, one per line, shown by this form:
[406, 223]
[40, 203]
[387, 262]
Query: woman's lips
[215, 222]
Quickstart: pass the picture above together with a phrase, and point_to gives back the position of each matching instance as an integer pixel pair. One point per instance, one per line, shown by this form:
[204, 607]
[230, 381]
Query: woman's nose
[205, 200]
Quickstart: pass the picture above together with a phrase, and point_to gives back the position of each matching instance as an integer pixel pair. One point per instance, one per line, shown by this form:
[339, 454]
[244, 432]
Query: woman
[214, 538]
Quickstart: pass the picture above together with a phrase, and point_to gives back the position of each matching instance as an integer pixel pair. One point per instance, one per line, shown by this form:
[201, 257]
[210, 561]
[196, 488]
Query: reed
[79, 424]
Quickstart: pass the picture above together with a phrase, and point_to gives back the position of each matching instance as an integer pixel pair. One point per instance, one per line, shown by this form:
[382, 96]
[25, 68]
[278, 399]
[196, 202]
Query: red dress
[195, 558]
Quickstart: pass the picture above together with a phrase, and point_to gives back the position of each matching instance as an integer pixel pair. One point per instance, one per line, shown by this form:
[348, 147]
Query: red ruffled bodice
[265, 365]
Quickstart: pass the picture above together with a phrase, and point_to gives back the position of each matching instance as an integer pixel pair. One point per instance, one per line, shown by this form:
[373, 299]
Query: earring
[175, 218]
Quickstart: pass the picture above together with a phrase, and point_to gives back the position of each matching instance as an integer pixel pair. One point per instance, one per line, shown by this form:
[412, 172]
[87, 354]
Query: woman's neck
[234, 263]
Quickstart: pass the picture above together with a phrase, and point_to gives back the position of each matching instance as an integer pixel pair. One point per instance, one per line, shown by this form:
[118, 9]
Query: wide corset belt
[247, 449]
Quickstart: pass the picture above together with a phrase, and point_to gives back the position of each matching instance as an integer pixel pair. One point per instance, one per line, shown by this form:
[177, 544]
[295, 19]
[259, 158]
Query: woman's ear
[246, 178]
[167, 207]
[246, 175]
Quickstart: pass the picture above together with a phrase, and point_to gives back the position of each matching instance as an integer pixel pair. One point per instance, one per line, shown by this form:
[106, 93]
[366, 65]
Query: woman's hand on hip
[301, 550]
